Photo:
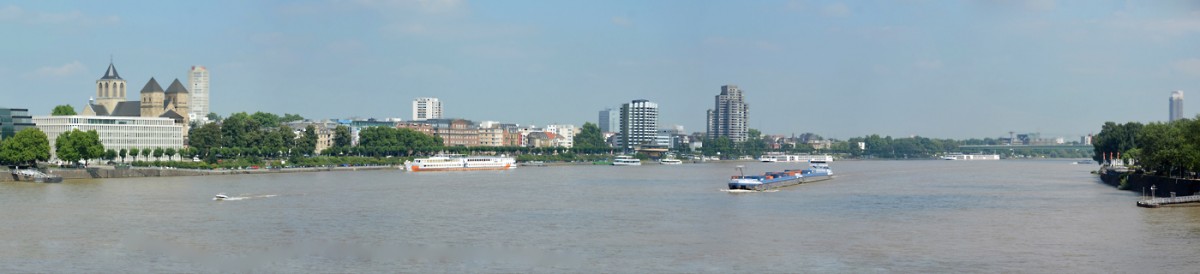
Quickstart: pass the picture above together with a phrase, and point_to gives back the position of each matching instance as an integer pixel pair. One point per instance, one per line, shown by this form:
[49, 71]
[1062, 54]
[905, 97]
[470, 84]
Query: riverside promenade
[104, 172]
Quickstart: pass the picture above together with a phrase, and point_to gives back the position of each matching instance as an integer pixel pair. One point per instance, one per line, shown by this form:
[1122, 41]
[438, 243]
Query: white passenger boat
[970, 157]
[625, 160]
[780, 158]
[455, 162]
[220, 196]
[668, 161]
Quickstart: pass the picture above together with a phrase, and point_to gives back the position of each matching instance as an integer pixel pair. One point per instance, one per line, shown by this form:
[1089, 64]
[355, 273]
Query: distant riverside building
[639, 124]
[729, 117]
[198, 81]
[610, 120]
[13, 120]
[426, 108]
[1086, 140]
[117, 132]
[324, 130]
[1176, 106]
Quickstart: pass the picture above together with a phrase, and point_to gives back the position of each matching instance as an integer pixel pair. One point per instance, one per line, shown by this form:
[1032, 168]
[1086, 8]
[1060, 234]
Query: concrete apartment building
[426, 108]
[730, 115]
[198, 82]
[639, 124]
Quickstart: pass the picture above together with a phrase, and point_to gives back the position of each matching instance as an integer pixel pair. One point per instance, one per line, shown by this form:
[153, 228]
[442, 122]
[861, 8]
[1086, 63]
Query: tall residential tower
[426, 108]
[1176, 106]
[198, 81]
[730, 116]
[639, 124]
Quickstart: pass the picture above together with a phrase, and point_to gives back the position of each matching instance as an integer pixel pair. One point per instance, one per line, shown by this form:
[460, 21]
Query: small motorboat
[220, 196]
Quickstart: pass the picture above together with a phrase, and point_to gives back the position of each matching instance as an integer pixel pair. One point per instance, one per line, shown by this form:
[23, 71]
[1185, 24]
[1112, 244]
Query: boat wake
[747, 190]
[239, 198]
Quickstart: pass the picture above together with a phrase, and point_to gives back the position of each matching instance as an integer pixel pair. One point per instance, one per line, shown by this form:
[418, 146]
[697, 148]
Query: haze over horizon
[943, 69]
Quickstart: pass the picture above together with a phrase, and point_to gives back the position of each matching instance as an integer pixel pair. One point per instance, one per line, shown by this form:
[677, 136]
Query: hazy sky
[949, 69]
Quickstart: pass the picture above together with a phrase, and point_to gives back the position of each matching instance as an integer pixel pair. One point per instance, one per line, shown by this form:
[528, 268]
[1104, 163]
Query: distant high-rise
[639, 123]
[426, 108]
[1176, 105]
[198, 81]
[610, 120]
[730, 116]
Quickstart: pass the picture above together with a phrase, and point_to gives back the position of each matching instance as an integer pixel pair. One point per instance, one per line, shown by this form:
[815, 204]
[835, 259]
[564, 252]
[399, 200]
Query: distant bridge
[997, 148]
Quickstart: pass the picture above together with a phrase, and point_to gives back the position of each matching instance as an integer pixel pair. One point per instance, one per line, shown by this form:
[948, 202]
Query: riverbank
[108, 172]
[1164, 186]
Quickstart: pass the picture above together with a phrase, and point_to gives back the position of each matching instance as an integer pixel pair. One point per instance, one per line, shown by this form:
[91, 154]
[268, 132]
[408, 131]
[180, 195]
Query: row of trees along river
[264, 139]
[1164, 149]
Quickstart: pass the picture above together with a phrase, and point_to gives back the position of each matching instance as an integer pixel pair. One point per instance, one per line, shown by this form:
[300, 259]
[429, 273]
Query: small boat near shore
[220, 196]
[819, 171]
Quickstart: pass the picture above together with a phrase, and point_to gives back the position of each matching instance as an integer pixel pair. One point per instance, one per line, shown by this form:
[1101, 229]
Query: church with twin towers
[174, 102]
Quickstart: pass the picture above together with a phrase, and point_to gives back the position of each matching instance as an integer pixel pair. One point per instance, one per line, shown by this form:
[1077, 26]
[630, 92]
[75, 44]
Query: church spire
[111, 73]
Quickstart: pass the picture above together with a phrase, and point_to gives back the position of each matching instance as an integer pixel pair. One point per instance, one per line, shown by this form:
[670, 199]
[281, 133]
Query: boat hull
[760, 185]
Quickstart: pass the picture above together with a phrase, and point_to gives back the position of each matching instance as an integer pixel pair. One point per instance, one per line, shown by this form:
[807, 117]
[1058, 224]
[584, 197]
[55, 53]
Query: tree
[123, 152]
[63, 110]
[288, 117]
[308, 142]
[134, 153]
[170, 152]
[341, 136]
[212, 116]
[25, 148]
[73, 146]
[158, 152]
[205, 137]
[590, 137]
[146, 152]
[110, 155]
[266, 119]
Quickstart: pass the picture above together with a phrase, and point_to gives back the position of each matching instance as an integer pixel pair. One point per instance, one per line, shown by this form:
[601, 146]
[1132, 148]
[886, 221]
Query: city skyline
[889, 68]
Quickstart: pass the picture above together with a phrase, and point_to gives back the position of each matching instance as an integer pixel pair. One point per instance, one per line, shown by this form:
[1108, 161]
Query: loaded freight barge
[820, 171]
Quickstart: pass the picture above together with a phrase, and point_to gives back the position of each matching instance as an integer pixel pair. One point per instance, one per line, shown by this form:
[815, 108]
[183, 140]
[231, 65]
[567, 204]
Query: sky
[841, 69]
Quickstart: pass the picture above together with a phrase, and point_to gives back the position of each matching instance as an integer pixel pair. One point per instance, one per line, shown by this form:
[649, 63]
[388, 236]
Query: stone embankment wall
[1163, 185]
[101, 173]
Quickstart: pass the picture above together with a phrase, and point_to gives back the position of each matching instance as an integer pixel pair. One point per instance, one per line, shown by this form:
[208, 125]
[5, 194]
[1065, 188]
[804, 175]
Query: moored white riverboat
[456, 162]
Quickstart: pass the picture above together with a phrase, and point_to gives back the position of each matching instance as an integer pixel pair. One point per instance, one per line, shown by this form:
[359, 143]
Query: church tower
[177, 98]
[110, 89]
[152, 99]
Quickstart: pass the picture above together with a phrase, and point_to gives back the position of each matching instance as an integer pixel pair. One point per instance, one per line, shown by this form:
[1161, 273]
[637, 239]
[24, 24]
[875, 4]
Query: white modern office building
[1176, 106]
[426, 108]
[639, 124]
[116, 132]
[198, 81]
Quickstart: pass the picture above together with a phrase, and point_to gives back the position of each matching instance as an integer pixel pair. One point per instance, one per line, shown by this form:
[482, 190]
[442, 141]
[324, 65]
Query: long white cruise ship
[456, 162]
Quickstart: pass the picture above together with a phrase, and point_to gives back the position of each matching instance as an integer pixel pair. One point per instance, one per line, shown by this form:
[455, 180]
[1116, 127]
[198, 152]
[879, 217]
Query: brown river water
[875, 216]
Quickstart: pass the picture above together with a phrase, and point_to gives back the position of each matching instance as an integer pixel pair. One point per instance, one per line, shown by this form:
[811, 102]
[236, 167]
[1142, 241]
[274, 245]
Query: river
[876, 216]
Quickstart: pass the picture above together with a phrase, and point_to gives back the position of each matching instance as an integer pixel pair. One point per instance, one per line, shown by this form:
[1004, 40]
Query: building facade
[639, 124]
[426, 108]
[325, 132]
[567, 132]
[1176, 105]
[13, 120]
[730, 115]
[609, 120]
[116, 132]
[198, 81]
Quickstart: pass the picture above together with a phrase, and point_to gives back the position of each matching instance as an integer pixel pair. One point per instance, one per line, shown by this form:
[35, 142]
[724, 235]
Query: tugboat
[820, 171]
